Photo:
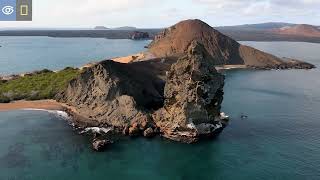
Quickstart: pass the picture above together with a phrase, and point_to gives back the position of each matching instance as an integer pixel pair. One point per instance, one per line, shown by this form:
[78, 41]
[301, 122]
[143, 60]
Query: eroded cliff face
[193, 95]
[114, 94]
[138, 99]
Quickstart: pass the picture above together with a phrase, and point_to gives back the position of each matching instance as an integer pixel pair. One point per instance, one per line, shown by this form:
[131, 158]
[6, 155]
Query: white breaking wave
[191, 126]
[96, 130]
[61, 114]
[223, 116]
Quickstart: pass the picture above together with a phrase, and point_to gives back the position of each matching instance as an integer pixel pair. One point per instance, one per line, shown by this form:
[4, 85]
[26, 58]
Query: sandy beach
[134, 57]
[23, 104]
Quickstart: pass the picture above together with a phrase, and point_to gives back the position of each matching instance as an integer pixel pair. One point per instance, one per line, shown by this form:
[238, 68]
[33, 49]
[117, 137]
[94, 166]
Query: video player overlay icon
[15, 10]
[7, 10]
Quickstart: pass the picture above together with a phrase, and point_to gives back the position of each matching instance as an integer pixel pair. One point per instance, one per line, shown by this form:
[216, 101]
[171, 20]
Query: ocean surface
[25, 54]
[279, 139]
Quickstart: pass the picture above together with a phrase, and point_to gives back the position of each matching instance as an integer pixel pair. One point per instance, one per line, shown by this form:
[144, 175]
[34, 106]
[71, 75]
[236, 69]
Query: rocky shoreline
[103, 135]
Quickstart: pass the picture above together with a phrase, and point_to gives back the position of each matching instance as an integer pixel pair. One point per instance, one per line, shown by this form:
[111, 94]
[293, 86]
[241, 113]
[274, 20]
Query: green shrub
[41, 85]
[4, 99]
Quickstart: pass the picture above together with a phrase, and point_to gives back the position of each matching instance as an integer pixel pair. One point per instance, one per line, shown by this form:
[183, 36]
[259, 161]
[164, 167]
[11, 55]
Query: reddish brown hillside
[299, 30]
[174, 42]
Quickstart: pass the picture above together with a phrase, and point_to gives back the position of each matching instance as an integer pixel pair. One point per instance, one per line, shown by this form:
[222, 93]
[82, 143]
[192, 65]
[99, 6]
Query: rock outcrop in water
[138, 35]
[193, 95]
[100, 145]
[177, 95]
[174, 42]
[139, 99]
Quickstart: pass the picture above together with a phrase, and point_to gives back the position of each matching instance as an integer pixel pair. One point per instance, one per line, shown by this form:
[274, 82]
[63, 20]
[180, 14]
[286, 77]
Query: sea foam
[58, 113]
[99, 130]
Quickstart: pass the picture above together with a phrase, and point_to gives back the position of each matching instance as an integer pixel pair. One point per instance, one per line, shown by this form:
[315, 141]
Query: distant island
[302, 30]
[127, 28]
[174, 89]
[100, 28]
[273, 31]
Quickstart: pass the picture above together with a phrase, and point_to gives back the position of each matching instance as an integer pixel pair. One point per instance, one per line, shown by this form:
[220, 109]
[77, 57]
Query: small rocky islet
[176, 93]
[137, 99]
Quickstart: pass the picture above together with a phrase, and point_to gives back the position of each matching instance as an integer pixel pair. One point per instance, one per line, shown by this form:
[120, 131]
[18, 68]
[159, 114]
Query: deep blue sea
[280, 139]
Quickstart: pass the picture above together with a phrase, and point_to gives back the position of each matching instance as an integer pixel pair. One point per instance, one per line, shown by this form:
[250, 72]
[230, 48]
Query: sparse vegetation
[38, 85]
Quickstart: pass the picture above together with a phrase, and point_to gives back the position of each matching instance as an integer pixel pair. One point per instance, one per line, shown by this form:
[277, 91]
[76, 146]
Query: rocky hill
[267, 32]
[177, 93]
[113, 93]
[256, 27]
[178, 99]
[174, 42]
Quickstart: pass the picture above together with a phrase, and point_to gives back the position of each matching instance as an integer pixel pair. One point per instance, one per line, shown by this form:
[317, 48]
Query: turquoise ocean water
[278, 140]
[25, 54]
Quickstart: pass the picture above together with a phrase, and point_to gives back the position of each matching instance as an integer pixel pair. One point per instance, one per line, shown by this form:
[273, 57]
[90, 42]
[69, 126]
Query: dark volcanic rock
[141, 99]
[288, 64]
[149, 132]
[100, 145]
[134, 130]
[193, 96]
[115, 94]
[125, 130]
[137, 35]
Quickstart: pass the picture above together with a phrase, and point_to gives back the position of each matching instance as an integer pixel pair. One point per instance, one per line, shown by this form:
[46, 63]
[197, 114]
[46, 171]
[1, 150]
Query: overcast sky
[163, 13]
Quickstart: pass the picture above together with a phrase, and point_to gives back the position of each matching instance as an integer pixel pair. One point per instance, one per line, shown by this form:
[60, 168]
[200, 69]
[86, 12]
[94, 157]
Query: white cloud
[257, 10]
[159, 13]
[259, 6]
[85, 13]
